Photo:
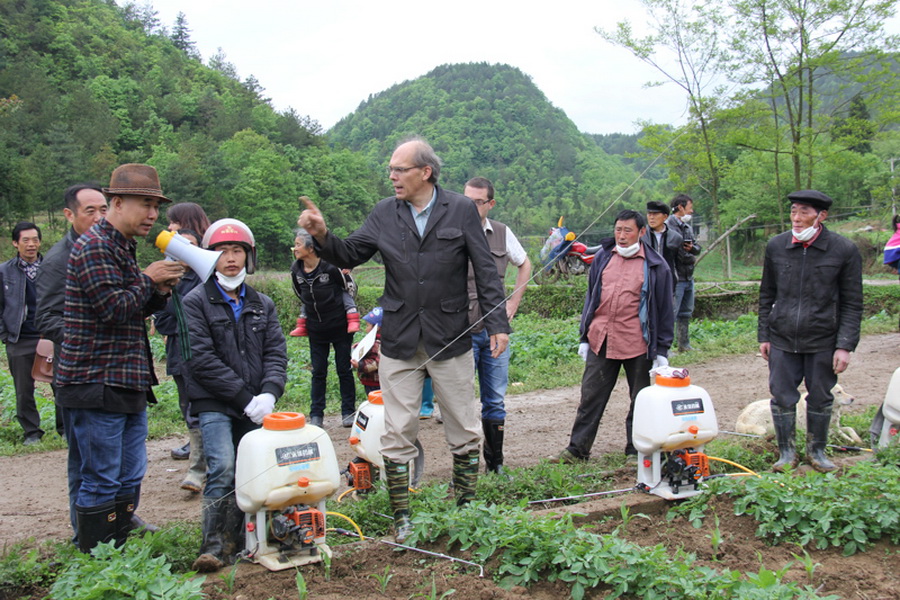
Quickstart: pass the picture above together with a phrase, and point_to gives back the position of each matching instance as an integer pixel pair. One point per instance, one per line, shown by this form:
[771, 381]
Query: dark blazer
[425, 297]
[51, 289]
[672, 244]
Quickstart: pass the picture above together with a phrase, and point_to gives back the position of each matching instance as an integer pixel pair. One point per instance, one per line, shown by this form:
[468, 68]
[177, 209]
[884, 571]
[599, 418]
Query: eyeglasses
[402, 170]
[482, 202]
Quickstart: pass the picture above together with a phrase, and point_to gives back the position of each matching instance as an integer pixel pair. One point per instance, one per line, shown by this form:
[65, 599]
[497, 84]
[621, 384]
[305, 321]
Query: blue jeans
[684, 299]
[221, 436]
[112, 451]
[493, 377]
[73, 468]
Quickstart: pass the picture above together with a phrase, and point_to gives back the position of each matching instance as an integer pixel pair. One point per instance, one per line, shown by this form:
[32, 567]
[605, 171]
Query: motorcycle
[562, 255]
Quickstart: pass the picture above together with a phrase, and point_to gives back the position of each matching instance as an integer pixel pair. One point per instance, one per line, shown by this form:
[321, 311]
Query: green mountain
[86, 85]
[491, 120]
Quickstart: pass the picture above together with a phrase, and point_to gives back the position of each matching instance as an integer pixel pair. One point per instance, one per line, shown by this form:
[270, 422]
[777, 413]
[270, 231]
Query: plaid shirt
[107, 298]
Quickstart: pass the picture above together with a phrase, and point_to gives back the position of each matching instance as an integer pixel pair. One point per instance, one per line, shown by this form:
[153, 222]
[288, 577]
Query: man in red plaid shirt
[104, 369]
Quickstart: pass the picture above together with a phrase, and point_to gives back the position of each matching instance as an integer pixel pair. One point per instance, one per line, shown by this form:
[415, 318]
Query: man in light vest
[493, 373]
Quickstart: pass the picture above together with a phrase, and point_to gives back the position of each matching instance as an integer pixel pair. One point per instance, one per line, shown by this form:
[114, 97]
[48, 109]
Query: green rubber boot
[398, 490]
[465, 476]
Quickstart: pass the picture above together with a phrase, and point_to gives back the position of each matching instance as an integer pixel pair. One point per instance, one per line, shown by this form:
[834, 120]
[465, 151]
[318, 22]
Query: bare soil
[34, 501]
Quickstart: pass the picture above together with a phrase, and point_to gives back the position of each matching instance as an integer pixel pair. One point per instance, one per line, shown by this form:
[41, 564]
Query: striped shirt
[107, 298]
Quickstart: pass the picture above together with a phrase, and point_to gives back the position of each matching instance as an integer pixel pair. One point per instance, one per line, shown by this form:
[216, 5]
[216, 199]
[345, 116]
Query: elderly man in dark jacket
[427, 238]
[810, 308]
[237, 370]
[626, 324]
[85, 205]
[666, 240]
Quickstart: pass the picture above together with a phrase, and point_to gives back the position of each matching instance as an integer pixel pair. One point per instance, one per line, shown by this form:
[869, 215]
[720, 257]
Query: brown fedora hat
[135, 180]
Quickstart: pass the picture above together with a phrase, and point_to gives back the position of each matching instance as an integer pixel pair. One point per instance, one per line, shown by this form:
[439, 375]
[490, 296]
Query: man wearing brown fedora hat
[104, 371]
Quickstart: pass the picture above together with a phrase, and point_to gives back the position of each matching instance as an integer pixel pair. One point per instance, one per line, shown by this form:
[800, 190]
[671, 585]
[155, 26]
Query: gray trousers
[20, 355]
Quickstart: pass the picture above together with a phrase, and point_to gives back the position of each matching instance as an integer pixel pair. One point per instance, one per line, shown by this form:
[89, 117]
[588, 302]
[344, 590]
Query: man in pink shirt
[627, 323]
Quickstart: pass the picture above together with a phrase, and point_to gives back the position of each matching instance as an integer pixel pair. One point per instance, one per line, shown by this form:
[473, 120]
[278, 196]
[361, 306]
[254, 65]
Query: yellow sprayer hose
[341, 497]
[352, 522]
[734, 464]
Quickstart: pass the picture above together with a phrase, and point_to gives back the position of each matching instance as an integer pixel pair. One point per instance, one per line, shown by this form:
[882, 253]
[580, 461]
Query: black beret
[657, 207]
[814, 198]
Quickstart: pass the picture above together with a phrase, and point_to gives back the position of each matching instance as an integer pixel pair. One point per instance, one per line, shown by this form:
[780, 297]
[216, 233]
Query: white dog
[756, 418]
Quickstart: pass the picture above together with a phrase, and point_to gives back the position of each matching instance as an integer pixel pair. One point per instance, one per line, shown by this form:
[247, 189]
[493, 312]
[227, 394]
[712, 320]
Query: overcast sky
[324, 57]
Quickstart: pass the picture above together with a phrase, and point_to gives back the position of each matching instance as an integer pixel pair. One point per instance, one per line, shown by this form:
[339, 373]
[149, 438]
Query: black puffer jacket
[810, 299]
[232, 361]
[322, 297]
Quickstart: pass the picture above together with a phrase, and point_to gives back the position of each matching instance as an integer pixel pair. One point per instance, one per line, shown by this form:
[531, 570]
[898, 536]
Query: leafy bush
[529, 549]
[850, 511]
[130, 572]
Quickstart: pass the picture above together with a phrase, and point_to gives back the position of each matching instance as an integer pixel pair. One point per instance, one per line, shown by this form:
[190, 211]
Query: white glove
[259, 407]
[659, 362]
[583, 349]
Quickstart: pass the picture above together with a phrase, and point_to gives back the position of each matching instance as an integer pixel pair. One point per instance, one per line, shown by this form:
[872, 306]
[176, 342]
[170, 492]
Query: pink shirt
[616, 320]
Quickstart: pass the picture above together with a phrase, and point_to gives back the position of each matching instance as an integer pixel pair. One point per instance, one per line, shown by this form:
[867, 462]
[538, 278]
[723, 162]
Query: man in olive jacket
[810, 308]
[426, 236]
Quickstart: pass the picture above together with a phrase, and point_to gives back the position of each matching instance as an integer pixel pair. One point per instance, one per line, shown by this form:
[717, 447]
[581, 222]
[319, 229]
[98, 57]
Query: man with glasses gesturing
[427, 237]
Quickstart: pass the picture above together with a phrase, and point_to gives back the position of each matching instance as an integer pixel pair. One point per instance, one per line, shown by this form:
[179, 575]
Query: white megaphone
[177, 247]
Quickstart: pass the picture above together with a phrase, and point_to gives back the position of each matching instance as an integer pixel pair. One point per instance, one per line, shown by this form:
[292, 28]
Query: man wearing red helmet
[237, 369]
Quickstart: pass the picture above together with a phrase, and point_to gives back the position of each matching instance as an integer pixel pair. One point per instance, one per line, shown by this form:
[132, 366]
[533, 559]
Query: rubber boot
[785, 420]
[398, 490]
[352, 322]
[96, 524]
[196, 475]
[465, 476]
[300, 330]
[213, 516]
[124, 512]
[427, 410]
[493, 446]
[817, 424]
[684, 339]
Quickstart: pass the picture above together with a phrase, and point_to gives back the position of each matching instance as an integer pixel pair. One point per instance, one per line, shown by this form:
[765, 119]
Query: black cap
[814, 198]
[657, 207]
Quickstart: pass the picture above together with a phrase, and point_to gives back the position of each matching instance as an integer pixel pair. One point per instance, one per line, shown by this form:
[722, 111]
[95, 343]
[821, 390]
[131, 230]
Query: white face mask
[628, 251]
[808, 233]
[229, 284]
[686, 218]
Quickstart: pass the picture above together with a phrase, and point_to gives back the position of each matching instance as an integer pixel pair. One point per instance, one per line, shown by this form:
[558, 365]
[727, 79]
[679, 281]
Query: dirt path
[34, 501]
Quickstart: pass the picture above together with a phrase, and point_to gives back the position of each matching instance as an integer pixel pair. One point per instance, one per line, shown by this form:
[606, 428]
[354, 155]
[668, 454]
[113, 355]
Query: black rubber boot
[817, 424]
[785, 420]
[213, 516]
[493, 446]
[96, 524]
[124, 514]
[684, 338]
[465, 476]
[398, 491]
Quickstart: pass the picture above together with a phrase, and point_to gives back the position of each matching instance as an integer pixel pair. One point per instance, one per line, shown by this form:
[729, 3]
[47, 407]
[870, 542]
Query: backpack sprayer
[283, 475]
[672, 421]
[365, 441]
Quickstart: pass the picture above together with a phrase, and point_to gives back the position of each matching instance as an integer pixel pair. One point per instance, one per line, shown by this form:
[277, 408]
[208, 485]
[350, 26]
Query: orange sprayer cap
[353, 440]
[284, 421]
[303, 482]
[375, 397]
[693, 430]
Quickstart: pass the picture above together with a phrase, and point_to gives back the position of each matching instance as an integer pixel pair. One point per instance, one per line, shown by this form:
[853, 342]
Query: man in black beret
[810, 308]
[662, 238]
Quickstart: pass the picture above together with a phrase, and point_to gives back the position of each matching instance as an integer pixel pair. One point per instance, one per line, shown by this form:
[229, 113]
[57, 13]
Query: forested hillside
[491, 120]
[86, 86]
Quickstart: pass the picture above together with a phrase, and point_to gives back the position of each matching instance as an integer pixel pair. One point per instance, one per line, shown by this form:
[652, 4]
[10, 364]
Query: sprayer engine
[298, 527]
[672, 421]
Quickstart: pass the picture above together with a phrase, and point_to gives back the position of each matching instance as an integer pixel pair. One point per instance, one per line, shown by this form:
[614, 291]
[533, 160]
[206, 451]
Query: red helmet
[232, 231]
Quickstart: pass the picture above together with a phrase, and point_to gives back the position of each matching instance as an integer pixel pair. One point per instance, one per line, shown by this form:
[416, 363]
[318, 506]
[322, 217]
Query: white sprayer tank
[671, 415]
[368, 425]
[284, 463]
